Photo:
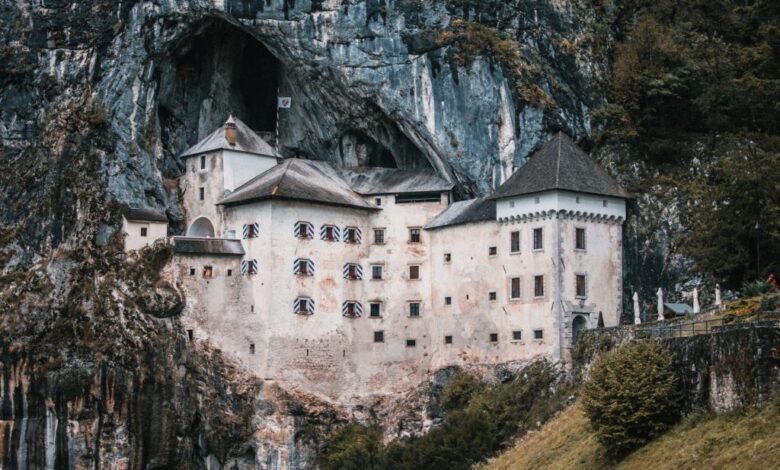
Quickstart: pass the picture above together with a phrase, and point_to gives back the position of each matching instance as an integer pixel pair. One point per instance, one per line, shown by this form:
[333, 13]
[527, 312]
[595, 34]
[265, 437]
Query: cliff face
[98, 98]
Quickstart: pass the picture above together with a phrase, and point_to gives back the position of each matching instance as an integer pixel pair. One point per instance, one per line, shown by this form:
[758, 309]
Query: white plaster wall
[212, 180]
[560, 200]
[240, 167]
[132, 230]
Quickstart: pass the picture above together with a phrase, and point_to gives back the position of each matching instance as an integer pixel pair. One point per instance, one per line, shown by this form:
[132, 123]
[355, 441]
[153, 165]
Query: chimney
[230, 131]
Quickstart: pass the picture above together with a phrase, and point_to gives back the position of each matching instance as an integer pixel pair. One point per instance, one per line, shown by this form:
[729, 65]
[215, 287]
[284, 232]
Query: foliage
[755, 288]
[480, 420]
[633, 396]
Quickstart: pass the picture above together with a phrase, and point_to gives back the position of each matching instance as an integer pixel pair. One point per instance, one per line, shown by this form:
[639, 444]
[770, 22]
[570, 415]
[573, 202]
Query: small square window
[414, 273]
[517, 335]
[252, 348]
[329, 233]
[414, 309]
[494, 337]
[144, 231]
[538, 334]
[448, 300]
[192, 271]
[492, 251]
[201, 193]
[208, 272]
[229, 272]
[538, 286]
[492, 296]
[379, 236]
[378, 201]
[190, 335]
[375, 309]
[577, 199]
[203, 162]
[447, 257]
[352, 235]
[376, 272]
[410, 343]
[379, 336]
[448, 339]
[538, 239]
[511, 203]
[303, 230]
[414, 235]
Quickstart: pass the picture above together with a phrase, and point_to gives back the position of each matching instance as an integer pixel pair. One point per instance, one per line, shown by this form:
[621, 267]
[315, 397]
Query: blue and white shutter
[309, 306]
[249, 266]
[358, 271]
[358, 308]
[309, 266]
[251, 230]
[245, 231]
[297, 229]
[336, 232]
[304, 228]
[358, 235]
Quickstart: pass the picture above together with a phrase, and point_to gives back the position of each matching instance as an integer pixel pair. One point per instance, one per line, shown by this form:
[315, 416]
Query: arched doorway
[577, 325]
[202, 227]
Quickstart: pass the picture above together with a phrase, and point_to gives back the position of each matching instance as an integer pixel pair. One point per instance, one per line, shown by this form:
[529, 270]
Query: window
[538, 239]
[577, 199]
[514, 242]
[190, 335]
[511, 203]
[208, 272]
[201, 193]
[517, 335]
[252, 348]
[448, 300]
[414, 273]
[514, 288]
[538, 334]
[329, 233]
[448, 339]
[604, 203]
[579, 238]
[353, 272]
[414, 235]
[580, 287]
[414, 309]
[251, 230]
[537, 200]
[351, 309]
[192, 271]
[494, 337]
[249, 266]
[538, 286]
[419, 197]
[144, 231]
[303, 306]
[376, 272]
[492, 251]
[303, 267]
[492, 296]
[352, 235]
[447, 257]
[229, 272]
[375, 309]
[203, 162]
[379, 336]
[410, 343]
[378, 201]
[303, 230]
[379, 236]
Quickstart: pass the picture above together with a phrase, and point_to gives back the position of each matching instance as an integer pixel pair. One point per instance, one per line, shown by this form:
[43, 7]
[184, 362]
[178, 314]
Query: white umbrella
[718, 301]
[660, 295]
[696, 307]
[637, 320]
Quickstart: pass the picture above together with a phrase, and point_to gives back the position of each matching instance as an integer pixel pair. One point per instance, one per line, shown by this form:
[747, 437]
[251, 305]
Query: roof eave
[287, 198]
[495, 197]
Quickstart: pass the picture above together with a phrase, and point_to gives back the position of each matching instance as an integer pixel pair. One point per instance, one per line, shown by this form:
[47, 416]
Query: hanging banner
[284, 102]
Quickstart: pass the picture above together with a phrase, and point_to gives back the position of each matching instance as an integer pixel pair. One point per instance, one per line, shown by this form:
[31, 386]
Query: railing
[684, 329]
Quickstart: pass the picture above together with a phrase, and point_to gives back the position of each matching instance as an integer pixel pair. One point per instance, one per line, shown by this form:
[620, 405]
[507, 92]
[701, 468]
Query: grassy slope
[744, 441]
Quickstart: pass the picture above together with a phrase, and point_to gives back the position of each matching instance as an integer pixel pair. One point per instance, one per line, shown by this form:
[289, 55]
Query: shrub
[755, 288]
[459, 390]
[352, 447]
[633, 396]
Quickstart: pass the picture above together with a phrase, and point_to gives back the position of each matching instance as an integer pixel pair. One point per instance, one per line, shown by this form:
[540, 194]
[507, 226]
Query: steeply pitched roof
[246, 141]
[207, 246]
[394, 181]
[463, 212]
[302, 180]
[144, 214]
[560, 164]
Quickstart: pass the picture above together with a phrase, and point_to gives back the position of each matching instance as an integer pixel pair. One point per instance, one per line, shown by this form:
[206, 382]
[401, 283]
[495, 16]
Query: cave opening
[212, 71]
[358, 149]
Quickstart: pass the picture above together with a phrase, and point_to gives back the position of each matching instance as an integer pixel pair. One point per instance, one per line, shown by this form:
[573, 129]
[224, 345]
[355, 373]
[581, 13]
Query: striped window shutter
[297, 229]
[357, 309]
[345, 271]
[336, 233]
[309, 306]
[246, 231]
[296, 267]
[359, 271]
[310, 265]
[297, 306]
[310, 231]
[322, 232]
[251, 230]
[358, 236]
[249, 266]
[345, 232]
[256, 229]
[244, 266]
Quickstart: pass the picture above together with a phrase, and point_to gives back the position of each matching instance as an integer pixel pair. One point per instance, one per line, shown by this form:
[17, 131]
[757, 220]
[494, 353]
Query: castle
[349, 282]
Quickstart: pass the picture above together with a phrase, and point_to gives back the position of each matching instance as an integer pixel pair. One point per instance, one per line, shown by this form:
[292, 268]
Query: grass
[749, 440]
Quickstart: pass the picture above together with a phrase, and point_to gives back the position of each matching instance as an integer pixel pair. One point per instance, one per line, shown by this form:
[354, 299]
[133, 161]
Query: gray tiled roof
[679, 309]
[207, 246]
[144, 214]
[560, 164]
[246, 141]
[463, 212]
[301, 180]
[394, 181]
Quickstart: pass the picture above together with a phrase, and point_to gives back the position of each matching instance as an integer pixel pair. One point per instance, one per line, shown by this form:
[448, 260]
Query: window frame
[540, 231]
[577, 231]
[371, 309]
[415, 232]
[208, 272]
[418, 272]
[201, 193]
[492, 251]
[577, 294]
[411, 342]
[537, 295]
[538, 334]
[409, 310]
[493, 337]
[379, 336]
[514, 242]
[517, 335]
[202, 163]
[448, 339]
[381, 268]
[377, 231]
[512, 279]
[448, 301]
[305, 230]
[492, 296]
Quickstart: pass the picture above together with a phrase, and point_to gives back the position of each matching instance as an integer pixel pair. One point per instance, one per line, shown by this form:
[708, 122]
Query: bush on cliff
[633, 396]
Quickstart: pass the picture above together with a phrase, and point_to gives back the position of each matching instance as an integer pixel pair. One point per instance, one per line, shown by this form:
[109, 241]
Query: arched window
[202, 227]
[579, 324]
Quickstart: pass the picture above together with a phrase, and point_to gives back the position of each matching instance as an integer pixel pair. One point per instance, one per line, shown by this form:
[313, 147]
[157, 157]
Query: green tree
[352, 447]
[633, 396]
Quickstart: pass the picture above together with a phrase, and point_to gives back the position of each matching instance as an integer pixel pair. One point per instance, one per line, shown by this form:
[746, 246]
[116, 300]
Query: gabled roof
[301, 180]
[246, 141]
[463, 212]
[560, 164]
[679, 309]
[371, 180]
[144, 214]
[207, 246]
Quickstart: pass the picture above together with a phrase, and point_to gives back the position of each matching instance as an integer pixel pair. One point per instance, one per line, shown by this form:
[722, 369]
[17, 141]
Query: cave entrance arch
[578, 325]
[201, 227]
